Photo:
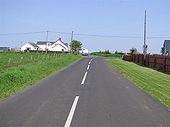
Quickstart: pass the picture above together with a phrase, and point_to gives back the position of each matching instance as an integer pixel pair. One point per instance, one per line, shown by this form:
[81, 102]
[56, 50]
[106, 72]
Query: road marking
[90, 61]
[84, 78]
[70, 116]
[88, 67]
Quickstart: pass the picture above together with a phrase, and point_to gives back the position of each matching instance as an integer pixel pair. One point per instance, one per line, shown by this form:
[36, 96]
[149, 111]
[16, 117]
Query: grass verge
[155, 83]
[19, 77]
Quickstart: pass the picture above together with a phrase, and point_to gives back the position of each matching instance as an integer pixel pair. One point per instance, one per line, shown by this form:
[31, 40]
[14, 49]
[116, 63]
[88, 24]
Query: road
[89, 93]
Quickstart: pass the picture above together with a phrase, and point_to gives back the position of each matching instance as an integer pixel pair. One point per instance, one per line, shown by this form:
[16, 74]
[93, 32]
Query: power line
[59, 32]
[107, 36]
[89, 35]
[6, 34]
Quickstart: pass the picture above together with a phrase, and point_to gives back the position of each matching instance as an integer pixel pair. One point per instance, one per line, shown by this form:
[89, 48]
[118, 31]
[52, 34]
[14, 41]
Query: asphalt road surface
[89, 93]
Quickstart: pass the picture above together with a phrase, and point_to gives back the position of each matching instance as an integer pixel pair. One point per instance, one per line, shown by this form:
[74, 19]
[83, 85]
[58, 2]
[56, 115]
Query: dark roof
[4, 48]
[167, 45]
[33, 44]
[167, 41]
[43, 42]
[66, 44]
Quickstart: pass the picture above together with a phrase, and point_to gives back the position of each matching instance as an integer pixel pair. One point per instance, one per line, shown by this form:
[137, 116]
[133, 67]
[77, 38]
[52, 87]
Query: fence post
[9, 61]
[164, 64]
[148, 60]
[21, 60]
[155, 62]
[38, 57]
[31, 59]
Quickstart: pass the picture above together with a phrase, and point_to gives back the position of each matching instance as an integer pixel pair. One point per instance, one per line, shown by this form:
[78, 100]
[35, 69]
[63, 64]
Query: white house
[30, 47]
[44, 45]
[58, 45]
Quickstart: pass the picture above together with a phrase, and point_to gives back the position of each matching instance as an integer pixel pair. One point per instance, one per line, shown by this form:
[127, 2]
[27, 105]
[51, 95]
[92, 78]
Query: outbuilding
[166, 47]
[29, 46]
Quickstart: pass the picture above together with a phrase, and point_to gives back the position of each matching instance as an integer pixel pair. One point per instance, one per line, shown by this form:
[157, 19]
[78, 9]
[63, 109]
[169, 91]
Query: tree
[133, 51]
[76, 46]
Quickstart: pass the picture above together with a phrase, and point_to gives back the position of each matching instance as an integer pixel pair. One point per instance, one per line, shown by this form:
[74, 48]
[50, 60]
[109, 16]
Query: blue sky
[99, 17]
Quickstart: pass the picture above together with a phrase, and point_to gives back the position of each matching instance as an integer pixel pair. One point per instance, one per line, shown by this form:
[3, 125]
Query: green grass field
[155, 83]
[16, 57]
[14, 78]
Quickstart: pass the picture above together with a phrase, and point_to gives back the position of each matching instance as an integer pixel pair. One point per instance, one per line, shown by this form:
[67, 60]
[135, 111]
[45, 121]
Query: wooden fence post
[9, 61]
[155, 61]
[31, 59]
[164, 64]
[21, 60]
[38, 57]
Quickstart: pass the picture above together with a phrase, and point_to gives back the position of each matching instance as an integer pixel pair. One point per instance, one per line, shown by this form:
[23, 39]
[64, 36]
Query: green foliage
[155, 83]
[133, 51]
[18, 77]
[108, 54]
[76, 45]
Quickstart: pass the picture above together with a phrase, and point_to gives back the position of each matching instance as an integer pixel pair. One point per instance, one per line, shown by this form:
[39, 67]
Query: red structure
[157, 62]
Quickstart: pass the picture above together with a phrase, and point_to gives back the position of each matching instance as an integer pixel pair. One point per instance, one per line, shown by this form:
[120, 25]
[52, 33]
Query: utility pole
[71, 41]
[46, 40]
[145, 46]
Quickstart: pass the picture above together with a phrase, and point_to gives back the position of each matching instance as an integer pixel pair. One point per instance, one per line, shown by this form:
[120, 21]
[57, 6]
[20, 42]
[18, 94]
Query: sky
[122, 18]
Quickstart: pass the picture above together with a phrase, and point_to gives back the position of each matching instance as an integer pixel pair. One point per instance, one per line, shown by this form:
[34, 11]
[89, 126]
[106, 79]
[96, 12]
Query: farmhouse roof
[33, 44]
[43, 42]
[4, 48]
[66, 44]
[167, 44]
[167, 41]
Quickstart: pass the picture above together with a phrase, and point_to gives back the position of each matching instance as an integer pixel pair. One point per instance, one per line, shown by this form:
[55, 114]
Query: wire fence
[14, 59]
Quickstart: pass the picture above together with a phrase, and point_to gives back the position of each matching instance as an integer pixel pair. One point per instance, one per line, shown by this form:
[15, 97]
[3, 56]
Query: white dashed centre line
[90, 61]
[70, 116]
[84, 78]
[88, 67]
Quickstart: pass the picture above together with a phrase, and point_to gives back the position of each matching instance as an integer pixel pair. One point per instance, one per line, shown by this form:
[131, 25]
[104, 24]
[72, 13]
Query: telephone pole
[46, 40]
[145, 46]
[71, 41]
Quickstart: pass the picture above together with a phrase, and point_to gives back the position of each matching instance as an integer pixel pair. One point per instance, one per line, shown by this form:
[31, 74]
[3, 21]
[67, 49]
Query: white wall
[43, 47]
[58, 46]
[26, 46]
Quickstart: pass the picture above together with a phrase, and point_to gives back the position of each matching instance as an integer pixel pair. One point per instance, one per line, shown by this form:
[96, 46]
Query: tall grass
[18, 77]
[155, 83]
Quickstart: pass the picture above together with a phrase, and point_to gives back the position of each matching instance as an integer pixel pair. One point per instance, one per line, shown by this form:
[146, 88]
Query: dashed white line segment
[73, 108]
[84, 78]
[70, 116]
[88, 67]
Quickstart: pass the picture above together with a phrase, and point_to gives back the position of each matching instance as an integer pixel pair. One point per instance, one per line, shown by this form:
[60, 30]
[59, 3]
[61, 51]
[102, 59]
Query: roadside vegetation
[107, 53]
[27, 68]
[76, 46]
[155, 83]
